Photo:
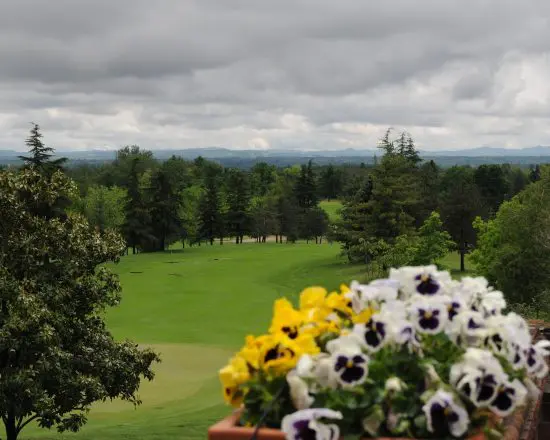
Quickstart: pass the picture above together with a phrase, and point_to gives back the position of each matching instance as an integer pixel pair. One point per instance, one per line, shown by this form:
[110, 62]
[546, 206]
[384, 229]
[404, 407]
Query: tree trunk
[211, 241]
[276, 238]
[11, 428]
[134, 249]
[263, 239]
[316, 240]
[237, 239]
[221, 241]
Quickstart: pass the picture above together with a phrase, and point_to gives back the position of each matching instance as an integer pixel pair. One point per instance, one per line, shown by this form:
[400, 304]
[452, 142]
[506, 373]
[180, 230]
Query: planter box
[227, 429]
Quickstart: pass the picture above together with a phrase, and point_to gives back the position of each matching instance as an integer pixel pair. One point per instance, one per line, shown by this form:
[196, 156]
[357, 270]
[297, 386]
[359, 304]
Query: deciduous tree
[56, 355]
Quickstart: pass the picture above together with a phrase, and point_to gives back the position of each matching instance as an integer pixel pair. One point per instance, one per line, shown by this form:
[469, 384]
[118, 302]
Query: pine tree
[238, 201]
[210, 207]
[164, 206]
[137, 226]
[40, 155]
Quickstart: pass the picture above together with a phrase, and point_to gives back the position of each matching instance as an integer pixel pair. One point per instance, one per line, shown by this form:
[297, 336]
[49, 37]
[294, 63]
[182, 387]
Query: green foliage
[460, 203]
[57, 356]
[238, 201]
[514, 248]
[492, 185]
[433, 241]
[210, 206]
[330, 182]
[164, 204]
[104, 207]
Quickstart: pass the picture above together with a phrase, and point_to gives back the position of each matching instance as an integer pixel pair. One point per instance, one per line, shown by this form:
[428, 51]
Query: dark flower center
[292, 332]
[504, 398]
[427, 285]
[441, 417]
[303, 431]
[429, 319]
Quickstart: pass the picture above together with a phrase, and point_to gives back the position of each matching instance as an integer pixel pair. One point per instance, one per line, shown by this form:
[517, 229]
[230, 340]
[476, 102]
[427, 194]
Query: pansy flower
[429, 316]
[299, 391]
[444, 415]
[535, 358]
[423, 280]
[350, 368]
[318, 369]
[286, 319]
[455, 304]
[467, 328]
[232, 376]
[478, 376]
[312, 298]
[279, 353]
[374, 334]
[508, 396]
[306, 424]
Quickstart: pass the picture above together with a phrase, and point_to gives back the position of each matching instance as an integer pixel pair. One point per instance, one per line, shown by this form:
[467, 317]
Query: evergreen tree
[238, 201]
[165, 203]
[492, 185]
[305, 189]
[433, 241]
[40, 156]
[460, 203]
[330, 182]
[534, 173]
[137, 224]
[429, 184]
[210, 207]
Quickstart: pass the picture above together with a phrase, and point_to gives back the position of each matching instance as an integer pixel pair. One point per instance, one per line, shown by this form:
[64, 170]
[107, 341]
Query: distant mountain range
[220, 153]
[247, 158]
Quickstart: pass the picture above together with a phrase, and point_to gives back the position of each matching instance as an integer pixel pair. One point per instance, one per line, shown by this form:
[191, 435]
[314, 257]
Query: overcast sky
[300, 74]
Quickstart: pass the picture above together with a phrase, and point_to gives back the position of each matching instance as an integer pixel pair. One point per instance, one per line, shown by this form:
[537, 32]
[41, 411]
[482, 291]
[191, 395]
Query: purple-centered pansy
[373, 334]
[306, 425]
[429, 316]
[444, 415]
[508, 396]
[350, 369]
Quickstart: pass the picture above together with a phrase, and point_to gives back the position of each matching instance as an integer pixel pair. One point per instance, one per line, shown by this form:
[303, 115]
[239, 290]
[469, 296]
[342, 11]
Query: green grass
[195, 307]
[332, 208]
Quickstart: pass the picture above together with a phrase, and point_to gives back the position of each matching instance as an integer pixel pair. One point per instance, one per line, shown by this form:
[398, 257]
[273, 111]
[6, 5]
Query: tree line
[389, 211]
[154, 204]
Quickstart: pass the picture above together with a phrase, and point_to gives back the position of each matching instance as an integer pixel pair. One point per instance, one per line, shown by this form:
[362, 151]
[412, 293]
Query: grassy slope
[332, 208]
[196, 307]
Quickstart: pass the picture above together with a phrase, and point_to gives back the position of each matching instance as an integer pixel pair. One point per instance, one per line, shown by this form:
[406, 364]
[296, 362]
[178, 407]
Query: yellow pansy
[344, 289]
[285, 319]
[319, 328]
[364, 316]
[232, 376]
[279, 354]
[338, 302]
[312, 297]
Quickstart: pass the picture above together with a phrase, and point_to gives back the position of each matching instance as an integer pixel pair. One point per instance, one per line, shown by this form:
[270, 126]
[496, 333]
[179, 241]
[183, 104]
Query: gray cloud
[293, 73]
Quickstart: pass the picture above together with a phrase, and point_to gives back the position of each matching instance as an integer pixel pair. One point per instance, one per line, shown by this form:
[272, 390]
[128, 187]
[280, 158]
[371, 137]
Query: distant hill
[247, 158]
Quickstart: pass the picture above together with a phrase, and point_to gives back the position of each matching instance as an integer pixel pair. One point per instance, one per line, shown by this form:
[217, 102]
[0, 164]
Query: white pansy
[467, 328]
[299, 391]
[444, 414]
[424, 280]
[509, 396]
[536, 359]
[305, 424]
[429, 315]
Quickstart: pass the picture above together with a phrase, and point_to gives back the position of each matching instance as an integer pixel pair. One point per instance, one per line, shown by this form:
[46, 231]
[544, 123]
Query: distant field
[332, 208]
[195, 307]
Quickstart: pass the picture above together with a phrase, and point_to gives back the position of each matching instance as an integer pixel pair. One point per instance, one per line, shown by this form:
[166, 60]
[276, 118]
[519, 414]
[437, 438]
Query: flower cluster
[418, 354]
